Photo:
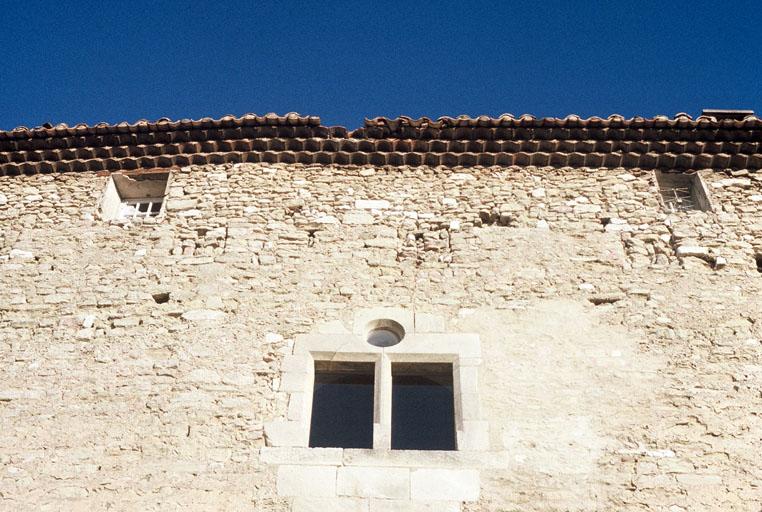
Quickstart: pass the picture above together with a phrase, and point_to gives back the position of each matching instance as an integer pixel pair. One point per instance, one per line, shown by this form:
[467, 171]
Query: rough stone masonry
[140, 361]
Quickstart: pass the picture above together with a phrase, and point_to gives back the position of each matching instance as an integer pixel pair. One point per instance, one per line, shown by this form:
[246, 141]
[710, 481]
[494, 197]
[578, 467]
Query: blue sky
[113, 61]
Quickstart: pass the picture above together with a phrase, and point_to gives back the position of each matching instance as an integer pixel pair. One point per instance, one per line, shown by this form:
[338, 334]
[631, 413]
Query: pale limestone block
[331, 344]
[427, 322]
[273, 337]
[201, 315]
[300, 455]
[286, 433]
[294, 382]
[470, 407]
[332, 327]
[698, 480]
[319, 481]
[372, 204]
[468, 379]
[357, 218]
[410, 458]
[379, 505]
[329, 505]
[296, 407]
[692, 250]
[18, 254]
[587, 208]
[366, 482]
[181, 204]
[204, 376]
[444, 484]
[732, 182]
[192, 399]
[474, 436]
[434, 347]
[301, 363]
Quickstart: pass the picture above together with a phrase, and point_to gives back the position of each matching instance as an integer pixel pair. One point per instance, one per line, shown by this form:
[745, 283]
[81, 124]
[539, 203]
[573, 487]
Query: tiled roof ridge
[679, 120]
[163, 124]
[678, 143]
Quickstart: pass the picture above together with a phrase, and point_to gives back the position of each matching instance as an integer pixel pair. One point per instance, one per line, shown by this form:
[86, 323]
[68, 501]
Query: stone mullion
[382, 418]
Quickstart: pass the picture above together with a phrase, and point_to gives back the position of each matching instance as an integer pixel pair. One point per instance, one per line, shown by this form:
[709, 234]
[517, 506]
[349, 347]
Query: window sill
[381, 458]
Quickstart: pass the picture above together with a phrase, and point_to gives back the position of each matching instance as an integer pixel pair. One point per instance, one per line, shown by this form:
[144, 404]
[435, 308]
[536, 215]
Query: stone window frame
[699, 193]
[425, 341]
[113, 203]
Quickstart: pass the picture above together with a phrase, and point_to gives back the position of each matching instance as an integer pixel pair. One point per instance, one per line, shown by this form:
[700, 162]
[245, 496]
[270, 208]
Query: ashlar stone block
[444, 484]
[377, 505]
[292, 455]
[329, 505]
[390, 483]
[307, 481]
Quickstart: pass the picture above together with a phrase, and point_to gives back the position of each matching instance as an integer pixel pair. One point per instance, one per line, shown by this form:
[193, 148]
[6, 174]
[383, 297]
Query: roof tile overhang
[678, 143]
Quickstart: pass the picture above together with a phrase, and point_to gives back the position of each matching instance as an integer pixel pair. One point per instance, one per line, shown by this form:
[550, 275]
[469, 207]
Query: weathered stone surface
[372, 204]
[374, 482]
[307, 481]
[377, 505]
[300, 455]
[139, 408]
[444, 484]
[329, 504]
[198, 315]
[18, 254]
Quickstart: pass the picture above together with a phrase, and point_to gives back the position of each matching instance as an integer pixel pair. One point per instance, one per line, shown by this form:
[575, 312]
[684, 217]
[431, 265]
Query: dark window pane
[342, 405]
[156, 208]
[423, 410]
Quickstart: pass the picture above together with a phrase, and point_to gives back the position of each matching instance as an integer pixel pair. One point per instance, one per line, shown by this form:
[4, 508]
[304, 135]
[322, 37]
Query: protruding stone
[18, 254]
[181, 204]
[692, 250]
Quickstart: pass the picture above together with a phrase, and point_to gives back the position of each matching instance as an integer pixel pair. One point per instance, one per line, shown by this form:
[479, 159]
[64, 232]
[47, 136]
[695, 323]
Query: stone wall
[622, 346]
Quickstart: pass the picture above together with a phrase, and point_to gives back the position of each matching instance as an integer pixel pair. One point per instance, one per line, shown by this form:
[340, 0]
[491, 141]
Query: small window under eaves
[682, 192]
[134, 196]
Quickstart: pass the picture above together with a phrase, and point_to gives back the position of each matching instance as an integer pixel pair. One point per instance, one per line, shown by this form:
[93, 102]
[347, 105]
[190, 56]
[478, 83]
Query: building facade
[174, 294]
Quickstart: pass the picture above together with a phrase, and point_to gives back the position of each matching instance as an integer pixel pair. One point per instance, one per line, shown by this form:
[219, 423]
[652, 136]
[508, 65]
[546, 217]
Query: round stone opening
[384, 333]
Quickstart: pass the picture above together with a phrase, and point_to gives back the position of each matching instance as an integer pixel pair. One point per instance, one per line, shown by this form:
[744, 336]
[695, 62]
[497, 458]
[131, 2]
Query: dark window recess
[423, 409]
[681, 192]
[758, 259]
[342, 405]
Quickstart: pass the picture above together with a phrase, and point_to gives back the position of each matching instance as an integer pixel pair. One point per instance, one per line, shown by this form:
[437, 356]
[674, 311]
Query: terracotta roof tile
[659, 142]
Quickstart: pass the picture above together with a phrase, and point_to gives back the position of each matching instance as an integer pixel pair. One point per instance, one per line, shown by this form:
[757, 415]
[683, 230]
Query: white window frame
[421, 344]
[135, 204]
